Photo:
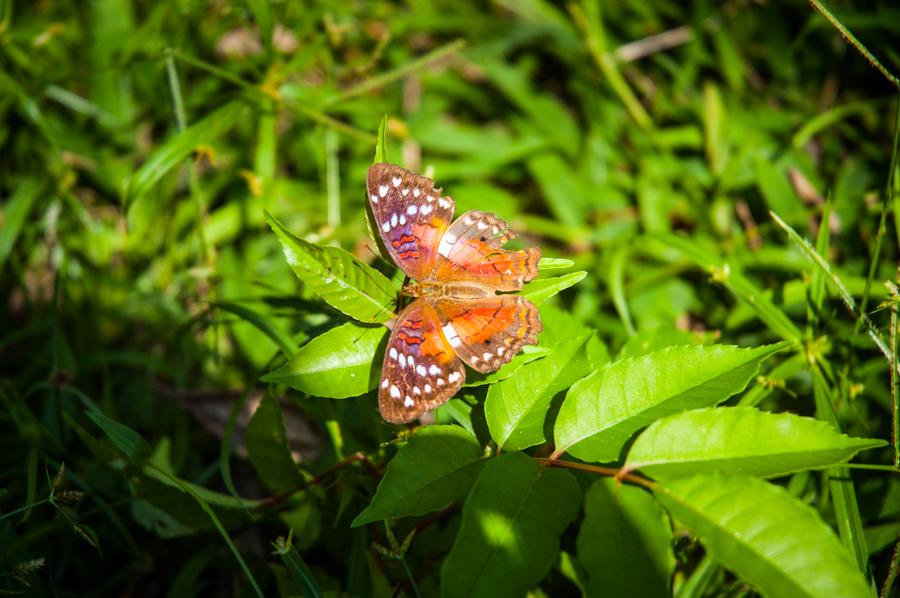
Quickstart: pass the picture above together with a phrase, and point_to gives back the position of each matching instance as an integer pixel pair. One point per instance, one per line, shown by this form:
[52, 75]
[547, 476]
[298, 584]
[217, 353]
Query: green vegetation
[192, 312]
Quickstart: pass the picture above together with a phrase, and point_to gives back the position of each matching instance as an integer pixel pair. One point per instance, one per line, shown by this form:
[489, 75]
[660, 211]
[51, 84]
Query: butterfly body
[456, 269]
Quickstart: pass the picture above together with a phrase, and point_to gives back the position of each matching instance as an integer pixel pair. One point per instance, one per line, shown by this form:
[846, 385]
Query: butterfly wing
[487, 333]
[471, 250]
[420, 371]
[411, 216]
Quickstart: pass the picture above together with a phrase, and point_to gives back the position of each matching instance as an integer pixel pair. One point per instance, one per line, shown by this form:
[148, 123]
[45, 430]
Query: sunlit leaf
[343, 362]
[516, 408]
[341, 280]
[538, 291]
[740, 440]
[767, 537]
[603, 411]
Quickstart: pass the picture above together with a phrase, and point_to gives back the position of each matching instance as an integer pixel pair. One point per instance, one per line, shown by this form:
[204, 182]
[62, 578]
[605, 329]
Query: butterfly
[456, 316]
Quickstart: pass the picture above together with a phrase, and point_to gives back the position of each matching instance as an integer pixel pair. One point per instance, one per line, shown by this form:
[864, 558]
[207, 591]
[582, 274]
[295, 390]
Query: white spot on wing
[501, 351]
[384, 383]
[408, 401]
[373, 197]
[468, 221]
[405, 191]
[386, 226]
[417, 391]
[453, 377]
[402, 219]
[481, 225]
[487, 356]
[411, 210]
[452, 336]
[382, 190]
[417, 192]
[393, 219]
[440, 381]
[393, 353]
[428, 389]
[395, 392]
[443, 203]
[420, 369]
[446, 245]
[396, 180]
[426, 209]
[434, 370]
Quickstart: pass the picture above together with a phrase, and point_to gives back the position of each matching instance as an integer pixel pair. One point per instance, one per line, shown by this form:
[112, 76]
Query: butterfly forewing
[471, 251]
[420, 371]
[488, 332]
[411, 216]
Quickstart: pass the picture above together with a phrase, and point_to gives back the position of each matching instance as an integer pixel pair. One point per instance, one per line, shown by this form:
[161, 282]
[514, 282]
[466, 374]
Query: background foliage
[169, 386]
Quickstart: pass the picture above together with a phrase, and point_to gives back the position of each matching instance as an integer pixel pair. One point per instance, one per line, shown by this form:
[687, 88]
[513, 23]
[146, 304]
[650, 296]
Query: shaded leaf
[123, 438]
[13, 215]
[601, 412]
[178, 147]
[298, 568]
[740, 440]
[268, 450]
[511, 523]
[337, 364]
[767, 537]
[262, 323]
[436, 467]
[625, 542]
[726, 273]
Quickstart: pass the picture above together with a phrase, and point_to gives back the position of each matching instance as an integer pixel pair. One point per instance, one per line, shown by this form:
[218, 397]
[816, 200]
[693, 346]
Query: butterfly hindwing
[471, 250]
[411, 216]
[420, 371]
[487, 333]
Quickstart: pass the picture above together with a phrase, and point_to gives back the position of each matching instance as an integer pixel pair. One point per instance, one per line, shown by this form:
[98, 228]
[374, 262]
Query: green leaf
[740, 440]
[123, 438]
[527, 355]
[340, 279]
[602, 412]
[516, 408]
[538, 291]
[560, 187]
[268, 450]
[555, 263]
[625, 542]
[381, 144]
[262, 12]
[14, 213]
[262, 323]
[178, 147]
[767, 537]
[648, 341]
[776, 190]
[726, 273]
[300, 571]
[511, 523]
[436, 467]
[337, 364]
